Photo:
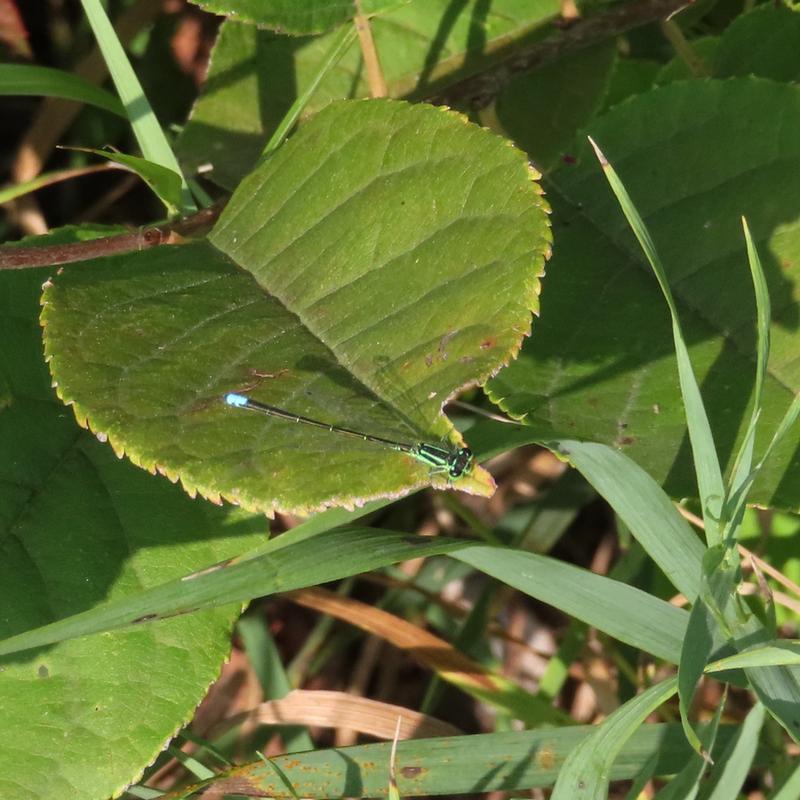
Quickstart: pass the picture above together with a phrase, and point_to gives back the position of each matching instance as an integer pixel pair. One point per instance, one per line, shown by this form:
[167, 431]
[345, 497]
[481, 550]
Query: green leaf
[710, 615]
[422, 46]
[704, 49]
[632, 493]
[339, 45]
[79, 527]
[791, 788]
[697, 646]
[629, 76]
[26, 79]
[290, 16]
[778, 688]
[587, 770]
[601, 365]
[396, 251]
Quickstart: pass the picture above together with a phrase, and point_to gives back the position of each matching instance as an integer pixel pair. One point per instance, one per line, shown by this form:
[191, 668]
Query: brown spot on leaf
[488, 343]
[411, 772]
[546, 758]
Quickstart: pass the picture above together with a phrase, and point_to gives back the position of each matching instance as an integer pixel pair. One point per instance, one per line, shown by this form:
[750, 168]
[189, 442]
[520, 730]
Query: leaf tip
[598, 152]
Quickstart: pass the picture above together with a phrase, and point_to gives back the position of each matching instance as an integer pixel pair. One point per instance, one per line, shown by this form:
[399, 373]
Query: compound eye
[461, 463]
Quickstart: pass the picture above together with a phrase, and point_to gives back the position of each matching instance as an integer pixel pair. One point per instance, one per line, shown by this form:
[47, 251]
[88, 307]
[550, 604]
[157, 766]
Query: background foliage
[386, 257]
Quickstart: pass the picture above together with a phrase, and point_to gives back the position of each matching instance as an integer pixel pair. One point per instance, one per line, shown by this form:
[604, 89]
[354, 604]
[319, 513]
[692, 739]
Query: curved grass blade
[709, 474]
[586, 772]
[28, 79]
[296, 566]
[149, 135]
[506, 761]
[622, 611]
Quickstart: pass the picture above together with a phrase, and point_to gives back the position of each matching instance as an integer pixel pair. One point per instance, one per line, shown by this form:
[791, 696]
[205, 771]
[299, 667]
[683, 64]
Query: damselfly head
[460, 462]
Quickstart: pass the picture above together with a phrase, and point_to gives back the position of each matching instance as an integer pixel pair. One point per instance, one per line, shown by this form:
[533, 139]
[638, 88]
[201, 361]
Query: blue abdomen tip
[233, 399]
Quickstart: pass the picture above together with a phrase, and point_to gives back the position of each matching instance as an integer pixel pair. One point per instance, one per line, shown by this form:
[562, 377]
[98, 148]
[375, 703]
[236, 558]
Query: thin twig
[377, 83]
[478, 91]
[676, 37]
[141, 239]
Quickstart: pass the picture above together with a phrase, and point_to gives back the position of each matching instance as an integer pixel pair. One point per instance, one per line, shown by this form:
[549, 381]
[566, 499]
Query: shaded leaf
[542, 111]
[601, 365]
[289, 16]
[78, 527]
[762, 42]
[421, 45]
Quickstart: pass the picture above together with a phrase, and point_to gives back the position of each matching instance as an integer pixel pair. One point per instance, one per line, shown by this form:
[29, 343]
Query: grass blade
[27, 79]
[339, 46]
[586, 771]
[622, 611]
[741, 474]
[283, 569]
[643, 506]
[454, 765]
[709, 474]
[737, 760]
[778, 652]
[149, 135]
[791, 789]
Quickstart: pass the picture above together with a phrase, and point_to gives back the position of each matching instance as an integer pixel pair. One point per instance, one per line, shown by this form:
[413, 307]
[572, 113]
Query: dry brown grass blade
[329, 709]
[421, 645]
